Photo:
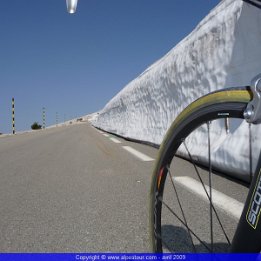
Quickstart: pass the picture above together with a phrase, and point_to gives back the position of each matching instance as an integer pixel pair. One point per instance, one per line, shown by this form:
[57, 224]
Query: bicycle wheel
[192, 209]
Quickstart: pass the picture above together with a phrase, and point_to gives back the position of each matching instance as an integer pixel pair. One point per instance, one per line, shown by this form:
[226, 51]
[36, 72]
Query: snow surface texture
[223, 51]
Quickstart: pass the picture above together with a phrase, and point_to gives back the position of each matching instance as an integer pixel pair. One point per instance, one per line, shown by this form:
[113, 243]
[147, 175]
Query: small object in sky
[71, 6]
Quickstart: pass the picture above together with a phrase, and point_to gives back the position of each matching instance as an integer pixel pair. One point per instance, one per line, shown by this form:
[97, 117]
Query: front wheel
[194, 207]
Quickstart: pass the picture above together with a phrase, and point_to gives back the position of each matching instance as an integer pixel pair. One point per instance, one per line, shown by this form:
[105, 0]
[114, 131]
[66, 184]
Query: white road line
[138, 154]
[229, 205]
[106, 135]
[115, 140]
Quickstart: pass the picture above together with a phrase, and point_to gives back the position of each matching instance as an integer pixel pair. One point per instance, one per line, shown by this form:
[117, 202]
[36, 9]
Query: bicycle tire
[218, 105]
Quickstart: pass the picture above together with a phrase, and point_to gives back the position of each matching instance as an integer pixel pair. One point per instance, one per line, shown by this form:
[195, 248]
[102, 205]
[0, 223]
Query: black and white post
[13, 115]
[43, 118]
[57, 119]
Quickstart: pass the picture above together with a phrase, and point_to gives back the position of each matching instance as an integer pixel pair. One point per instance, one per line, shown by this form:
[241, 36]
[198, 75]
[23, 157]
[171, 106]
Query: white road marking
[229, 205]
[115, 140]
[106, 135]
[138, 154]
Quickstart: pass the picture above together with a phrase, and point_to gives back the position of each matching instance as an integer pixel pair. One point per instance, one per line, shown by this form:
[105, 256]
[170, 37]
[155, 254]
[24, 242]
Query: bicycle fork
[247, 238]
[248, 234]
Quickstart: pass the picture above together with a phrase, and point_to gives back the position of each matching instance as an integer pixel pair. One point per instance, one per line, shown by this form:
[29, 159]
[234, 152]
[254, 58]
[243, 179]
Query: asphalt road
[75, 189]
[71, 189]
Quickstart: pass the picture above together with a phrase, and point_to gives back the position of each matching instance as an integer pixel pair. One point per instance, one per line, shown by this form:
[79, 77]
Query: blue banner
[129, 257]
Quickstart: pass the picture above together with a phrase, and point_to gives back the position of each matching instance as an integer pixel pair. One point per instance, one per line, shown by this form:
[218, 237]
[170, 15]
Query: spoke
[183, 214]
[250, 153]
[166, 205]
[202, 183]
[227, 125]
[210, 187]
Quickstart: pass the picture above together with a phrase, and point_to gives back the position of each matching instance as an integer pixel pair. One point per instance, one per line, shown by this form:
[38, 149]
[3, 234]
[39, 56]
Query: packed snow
[222, 51]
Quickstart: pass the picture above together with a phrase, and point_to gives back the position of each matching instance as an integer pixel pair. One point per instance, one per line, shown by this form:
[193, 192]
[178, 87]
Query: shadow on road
[177, 239]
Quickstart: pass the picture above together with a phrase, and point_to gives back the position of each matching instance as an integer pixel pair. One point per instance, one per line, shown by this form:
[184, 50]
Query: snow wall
[222, 51]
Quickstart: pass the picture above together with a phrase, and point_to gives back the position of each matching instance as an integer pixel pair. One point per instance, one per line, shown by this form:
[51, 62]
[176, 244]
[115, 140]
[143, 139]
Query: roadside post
[56, 119]
[13, 115]
[43, 117]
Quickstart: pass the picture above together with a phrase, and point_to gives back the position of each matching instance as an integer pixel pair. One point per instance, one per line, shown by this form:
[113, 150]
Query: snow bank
[223, 51]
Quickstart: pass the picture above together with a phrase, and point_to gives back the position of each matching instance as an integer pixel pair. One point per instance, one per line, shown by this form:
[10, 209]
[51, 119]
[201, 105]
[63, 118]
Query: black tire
[215, 106]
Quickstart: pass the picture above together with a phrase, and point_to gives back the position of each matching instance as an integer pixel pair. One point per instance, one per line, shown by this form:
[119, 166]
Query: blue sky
[74, 64]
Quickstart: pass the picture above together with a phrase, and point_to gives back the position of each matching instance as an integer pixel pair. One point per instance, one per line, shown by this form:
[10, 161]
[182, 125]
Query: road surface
[74, 189]
[71, 189]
